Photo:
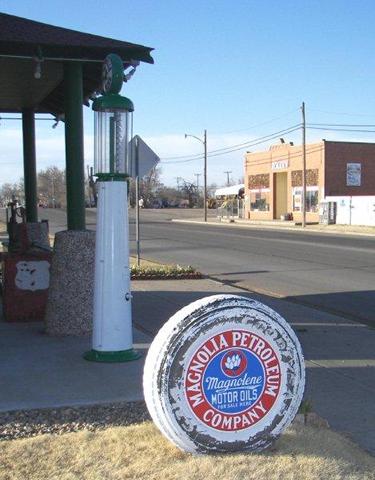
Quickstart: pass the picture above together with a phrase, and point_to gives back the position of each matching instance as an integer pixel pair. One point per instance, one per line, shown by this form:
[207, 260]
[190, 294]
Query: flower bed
[163, 272]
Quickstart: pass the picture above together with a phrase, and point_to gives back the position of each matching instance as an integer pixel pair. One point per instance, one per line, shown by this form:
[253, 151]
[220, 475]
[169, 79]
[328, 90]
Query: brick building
[273, 178]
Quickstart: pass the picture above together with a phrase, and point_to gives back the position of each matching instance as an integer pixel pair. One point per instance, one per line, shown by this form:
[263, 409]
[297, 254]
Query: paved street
[335, 273]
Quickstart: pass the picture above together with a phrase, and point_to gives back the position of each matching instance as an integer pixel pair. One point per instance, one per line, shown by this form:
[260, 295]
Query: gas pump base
[112, 357]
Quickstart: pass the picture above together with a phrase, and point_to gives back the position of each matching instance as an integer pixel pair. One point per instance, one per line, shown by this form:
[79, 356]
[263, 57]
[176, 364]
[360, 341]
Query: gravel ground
[29, 423]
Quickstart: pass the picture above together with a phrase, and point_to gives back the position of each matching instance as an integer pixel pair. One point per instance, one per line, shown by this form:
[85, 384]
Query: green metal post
[29, 165]
[112, 145]
[75, 173]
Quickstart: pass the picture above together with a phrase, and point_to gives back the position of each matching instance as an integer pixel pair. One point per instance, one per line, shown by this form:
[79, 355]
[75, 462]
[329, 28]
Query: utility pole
[197, 175]
[304, 166]
[228, 172]
[204, 142]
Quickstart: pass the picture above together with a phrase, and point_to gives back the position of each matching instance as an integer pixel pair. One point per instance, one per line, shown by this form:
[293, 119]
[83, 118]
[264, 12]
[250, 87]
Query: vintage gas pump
[112, 330]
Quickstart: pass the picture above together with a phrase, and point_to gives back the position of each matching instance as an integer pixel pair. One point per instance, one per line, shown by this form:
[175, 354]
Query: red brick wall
[337, 155]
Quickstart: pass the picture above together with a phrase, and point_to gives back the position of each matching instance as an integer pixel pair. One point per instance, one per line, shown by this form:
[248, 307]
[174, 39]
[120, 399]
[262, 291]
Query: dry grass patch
[140, 452]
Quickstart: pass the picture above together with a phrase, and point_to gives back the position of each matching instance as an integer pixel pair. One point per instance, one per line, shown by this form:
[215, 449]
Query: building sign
[353, 174]
[280, 164]
[224, 374]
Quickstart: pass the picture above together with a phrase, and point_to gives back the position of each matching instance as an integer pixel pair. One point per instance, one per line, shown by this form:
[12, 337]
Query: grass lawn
[140, 452]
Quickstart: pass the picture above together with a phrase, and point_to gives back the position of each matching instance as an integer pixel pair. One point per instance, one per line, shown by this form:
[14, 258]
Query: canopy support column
[75, 176]
[29, 165]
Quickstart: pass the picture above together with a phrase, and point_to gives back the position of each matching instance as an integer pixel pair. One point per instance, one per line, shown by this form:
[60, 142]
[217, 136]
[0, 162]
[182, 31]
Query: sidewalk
[287, 225]
[40, 371]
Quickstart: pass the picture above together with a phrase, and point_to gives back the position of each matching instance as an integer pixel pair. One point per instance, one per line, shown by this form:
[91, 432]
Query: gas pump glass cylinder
[113, 119]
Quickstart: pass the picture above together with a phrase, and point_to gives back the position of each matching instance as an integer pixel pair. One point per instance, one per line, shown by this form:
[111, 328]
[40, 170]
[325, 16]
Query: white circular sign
[226, 373]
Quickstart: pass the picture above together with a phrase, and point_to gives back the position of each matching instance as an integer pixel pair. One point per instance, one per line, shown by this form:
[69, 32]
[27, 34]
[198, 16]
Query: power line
[233, 148]
[266, 138]
[341, 129]
[341, 125]
[257, 143]
[294, 155]
[342, 113]
[259, 124]
[281, 132]
[246, 144]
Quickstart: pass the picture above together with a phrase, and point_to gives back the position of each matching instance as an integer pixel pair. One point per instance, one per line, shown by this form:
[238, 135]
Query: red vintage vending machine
[26, 271]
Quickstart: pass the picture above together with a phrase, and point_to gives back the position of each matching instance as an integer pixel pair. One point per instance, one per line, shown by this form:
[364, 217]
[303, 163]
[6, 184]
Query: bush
[163, 272]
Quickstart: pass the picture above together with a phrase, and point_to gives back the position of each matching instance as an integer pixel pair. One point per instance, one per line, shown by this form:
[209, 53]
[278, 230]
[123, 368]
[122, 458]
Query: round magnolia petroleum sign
[232, 380]
[225, 373]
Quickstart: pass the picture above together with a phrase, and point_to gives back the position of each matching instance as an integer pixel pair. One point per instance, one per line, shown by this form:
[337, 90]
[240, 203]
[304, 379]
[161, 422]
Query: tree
[10, 191]
[149, 187]
[52, 187]
[169, 196]
[190, 191]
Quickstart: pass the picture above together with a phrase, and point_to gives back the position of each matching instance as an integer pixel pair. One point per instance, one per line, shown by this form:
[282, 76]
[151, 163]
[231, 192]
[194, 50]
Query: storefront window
[260, 200]
[311, 199]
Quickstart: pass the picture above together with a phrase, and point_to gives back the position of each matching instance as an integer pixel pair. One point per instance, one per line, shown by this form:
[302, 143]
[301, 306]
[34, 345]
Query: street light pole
[205, 176]
[204, 142]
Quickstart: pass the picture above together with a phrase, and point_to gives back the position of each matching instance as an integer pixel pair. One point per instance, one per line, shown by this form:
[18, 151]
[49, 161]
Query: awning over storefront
[229, 191]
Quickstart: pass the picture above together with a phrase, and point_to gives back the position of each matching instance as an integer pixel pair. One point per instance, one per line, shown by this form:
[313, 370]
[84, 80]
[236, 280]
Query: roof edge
[143, 53]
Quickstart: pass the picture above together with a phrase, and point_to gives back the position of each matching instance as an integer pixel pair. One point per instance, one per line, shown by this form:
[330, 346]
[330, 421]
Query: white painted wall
[358, 210]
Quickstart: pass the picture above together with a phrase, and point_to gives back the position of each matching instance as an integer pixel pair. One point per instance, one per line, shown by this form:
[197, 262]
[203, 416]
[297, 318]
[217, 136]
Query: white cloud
[50, 150]
[49, 145]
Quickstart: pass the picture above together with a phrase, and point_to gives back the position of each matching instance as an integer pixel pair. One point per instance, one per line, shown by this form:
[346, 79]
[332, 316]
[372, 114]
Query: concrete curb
[261, 226]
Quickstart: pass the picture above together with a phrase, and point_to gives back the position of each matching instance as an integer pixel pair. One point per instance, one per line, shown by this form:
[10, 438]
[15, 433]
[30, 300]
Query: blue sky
[228, 66]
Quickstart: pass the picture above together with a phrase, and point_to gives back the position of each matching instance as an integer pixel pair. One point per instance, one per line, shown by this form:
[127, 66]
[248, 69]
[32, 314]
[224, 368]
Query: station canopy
[26, 46]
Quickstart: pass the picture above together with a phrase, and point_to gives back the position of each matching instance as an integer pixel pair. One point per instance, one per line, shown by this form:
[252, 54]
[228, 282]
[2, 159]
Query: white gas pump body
[112, 296]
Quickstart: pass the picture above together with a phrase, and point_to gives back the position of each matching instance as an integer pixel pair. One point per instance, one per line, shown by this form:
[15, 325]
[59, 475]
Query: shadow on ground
[340, 354]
